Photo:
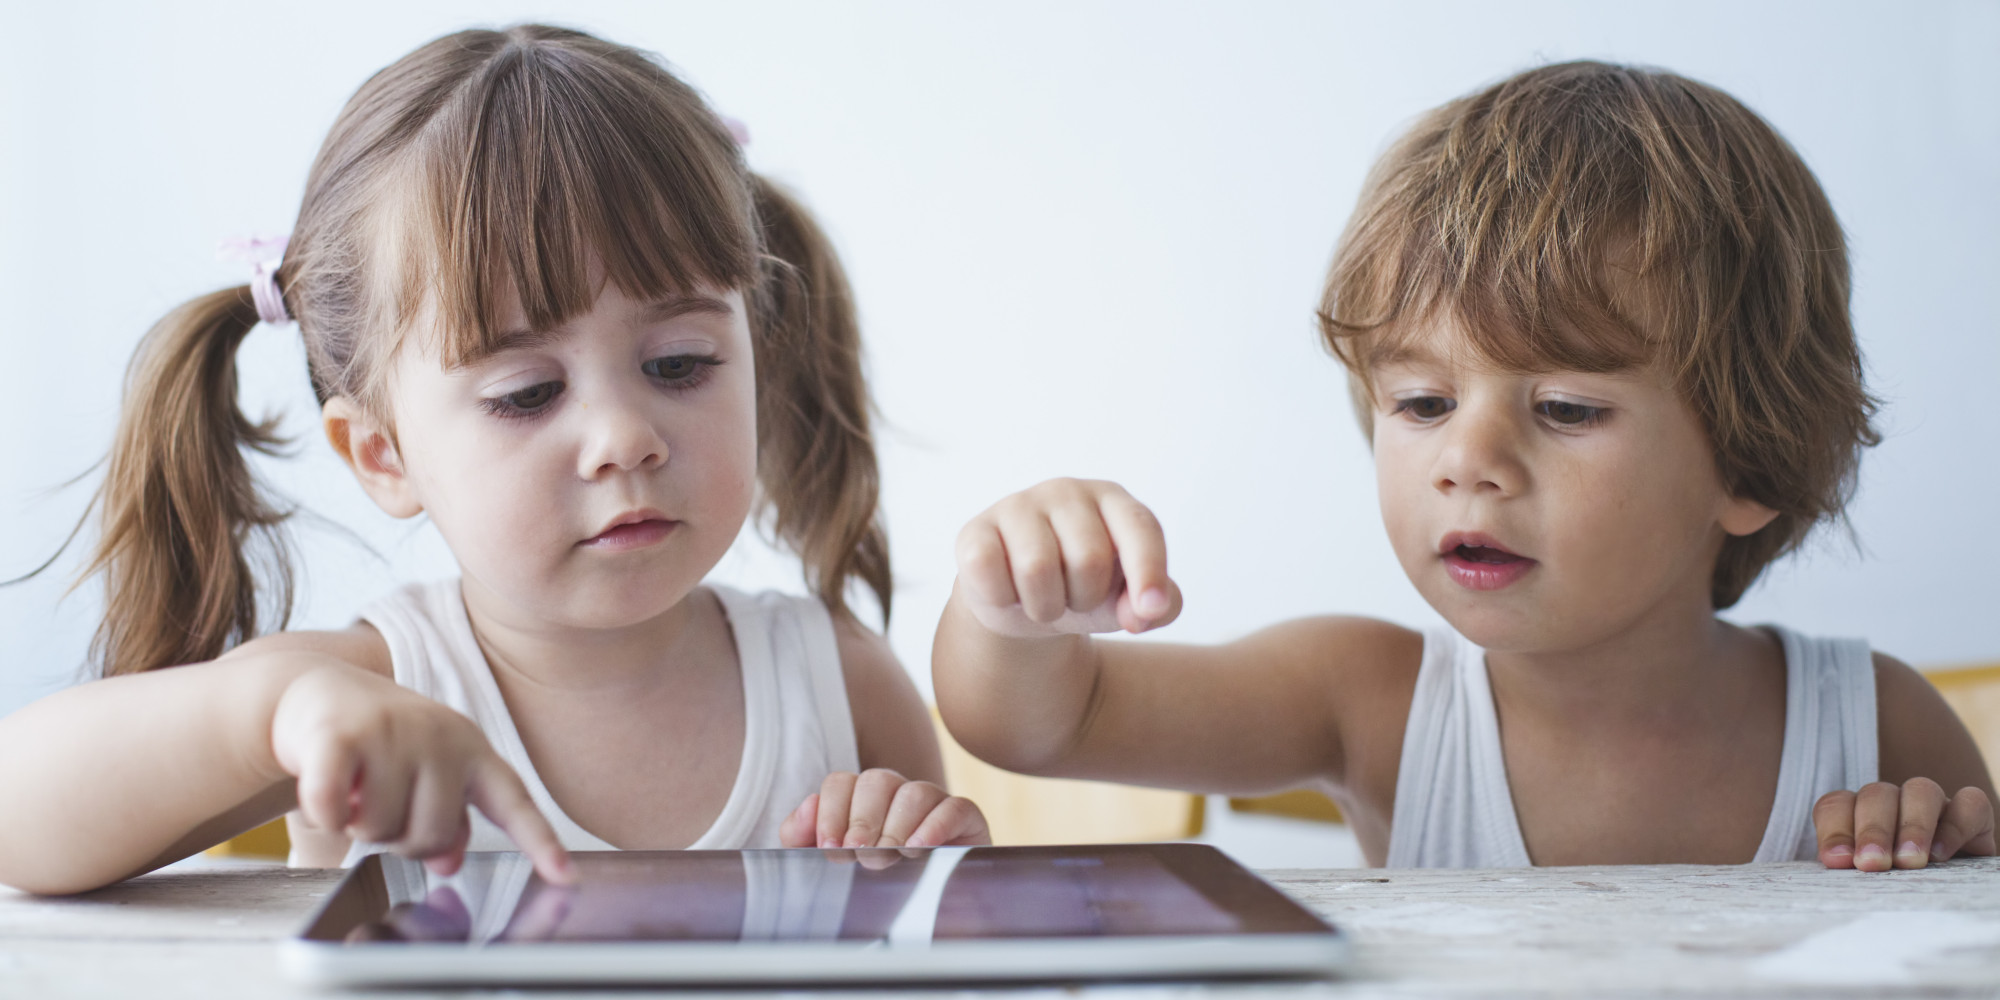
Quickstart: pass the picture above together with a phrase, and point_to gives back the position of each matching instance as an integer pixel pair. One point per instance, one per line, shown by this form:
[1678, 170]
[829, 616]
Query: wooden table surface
[1778, 930]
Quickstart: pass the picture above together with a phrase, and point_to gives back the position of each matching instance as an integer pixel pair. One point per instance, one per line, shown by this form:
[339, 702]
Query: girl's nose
[618, 437]
[1481, 453]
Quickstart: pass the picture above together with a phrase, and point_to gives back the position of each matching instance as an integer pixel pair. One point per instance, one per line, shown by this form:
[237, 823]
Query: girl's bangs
[544, 176]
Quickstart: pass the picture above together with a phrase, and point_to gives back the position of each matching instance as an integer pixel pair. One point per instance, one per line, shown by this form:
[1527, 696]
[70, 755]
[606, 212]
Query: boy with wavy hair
[1595, 319]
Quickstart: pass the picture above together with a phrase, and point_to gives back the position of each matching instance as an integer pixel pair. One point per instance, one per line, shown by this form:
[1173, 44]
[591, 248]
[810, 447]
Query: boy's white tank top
[1455, 808]
[796, 723]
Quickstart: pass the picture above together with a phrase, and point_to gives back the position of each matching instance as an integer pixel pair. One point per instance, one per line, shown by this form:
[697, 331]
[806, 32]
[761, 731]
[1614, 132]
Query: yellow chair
[269, 842]
[1974, 693]
[1299, 803]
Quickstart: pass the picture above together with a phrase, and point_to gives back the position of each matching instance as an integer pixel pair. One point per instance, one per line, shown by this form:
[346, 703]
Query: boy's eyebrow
[1405, 353]
[653, 312]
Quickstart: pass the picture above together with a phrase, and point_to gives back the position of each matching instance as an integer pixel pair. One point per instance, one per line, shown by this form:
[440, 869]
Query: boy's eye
[1570, 414]
[677, 367]
[1426, 407]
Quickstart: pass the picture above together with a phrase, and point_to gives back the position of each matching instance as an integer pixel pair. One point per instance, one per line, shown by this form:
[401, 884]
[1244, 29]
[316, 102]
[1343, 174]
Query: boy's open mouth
[1477, 562]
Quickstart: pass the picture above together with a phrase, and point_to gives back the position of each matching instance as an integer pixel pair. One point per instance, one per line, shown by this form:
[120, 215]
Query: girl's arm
[116, 777]
[1022, 684]
[1935, 799]
[899, 798]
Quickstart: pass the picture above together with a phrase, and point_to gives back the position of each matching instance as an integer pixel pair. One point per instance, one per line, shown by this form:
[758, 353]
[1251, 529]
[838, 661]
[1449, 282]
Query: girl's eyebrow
[682, 305]
[658, 311]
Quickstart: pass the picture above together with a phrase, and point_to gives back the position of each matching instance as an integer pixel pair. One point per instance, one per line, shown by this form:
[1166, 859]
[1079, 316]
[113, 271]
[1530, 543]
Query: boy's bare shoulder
[358, 644]
[1918, 733]
[1349, 647]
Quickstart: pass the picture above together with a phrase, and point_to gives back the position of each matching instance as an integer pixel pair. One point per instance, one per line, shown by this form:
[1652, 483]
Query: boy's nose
[1481, 453]
[618, 437]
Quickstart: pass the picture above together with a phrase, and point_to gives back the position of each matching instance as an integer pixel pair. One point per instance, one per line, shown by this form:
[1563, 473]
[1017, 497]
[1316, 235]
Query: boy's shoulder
[1918, 734]
[1352, 658]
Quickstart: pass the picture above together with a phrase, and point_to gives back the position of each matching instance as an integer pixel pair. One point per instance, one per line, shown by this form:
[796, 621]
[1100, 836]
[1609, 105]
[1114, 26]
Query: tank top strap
[797, 726]
[1830, 738]
[1454, 807]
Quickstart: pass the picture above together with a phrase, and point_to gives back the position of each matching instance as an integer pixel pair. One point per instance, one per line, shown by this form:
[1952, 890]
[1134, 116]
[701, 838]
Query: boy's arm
[1021, 685]
[1935, 798]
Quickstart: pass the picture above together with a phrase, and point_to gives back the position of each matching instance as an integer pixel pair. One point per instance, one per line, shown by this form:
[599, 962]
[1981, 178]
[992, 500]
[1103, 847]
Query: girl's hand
[1855, 827]
[1069, 556]
[880, 808]
[389, 766]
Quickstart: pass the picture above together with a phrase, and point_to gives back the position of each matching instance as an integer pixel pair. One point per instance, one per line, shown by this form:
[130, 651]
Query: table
[209, 931]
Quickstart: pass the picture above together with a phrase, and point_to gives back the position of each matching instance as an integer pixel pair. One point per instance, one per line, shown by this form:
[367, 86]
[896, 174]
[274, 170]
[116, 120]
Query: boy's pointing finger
[1151, 599]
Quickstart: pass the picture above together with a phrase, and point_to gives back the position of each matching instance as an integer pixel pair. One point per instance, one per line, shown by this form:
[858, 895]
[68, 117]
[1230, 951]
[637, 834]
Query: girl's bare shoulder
[358, 644]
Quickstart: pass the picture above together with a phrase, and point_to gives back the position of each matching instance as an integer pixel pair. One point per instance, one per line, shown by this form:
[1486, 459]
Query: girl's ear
[1745, 517]
[368, 449]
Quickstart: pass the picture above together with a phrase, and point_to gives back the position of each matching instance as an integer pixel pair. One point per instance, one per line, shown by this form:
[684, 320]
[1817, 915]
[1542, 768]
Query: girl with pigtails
[545, 304]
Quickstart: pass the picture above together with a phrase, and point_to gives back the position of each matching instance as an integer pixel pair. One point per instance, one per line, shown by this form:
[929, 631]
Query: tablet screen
[901, 897]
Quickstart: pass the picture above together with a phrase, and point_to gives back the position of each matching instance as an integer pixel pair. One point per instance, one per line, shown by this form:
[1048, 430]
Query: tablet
[964, 914]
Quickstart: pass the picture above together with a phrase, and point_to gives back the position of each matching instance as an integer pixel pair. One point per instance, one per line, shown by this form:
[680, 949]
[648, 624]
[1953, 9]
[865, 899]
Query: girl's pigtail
[179, 506]
[815, 454]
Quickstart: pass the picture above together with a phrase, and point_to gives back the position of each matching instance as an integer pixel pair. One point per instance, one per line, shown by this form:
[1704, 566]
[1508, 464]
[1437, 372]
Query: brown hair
[1595, 217]
[484, 165]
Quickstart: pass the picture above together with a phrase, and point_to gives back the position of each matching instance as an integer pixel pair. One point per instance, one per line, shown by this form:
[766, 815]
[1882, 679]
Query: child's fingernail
[1910, 854]
[1873, 854]
[1937, 851]
[1839, 851]
[1152, 602]
[828, 842]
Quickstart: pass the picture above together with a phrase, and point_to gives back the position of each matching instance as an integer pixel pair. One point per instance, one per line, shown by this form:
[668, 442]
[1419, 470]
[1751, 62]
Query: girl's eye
[1426, 407]
[1570, 414]
[524, 402]
[679, 369]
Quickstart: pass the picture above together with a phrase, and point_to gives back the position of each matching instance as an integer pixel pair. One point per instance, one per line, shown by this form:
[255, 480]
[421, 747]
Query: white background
[1087, 240]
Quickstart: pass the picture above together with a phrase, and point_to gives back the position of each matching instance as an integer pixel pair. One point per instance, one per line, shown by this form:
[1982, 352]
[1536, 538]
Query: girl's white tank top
[1455, 808]
[796, 723]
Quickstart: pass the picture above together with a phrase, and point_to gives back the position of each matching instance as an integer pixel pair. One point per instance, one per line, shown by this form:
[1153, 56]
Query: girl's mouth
[631, 533]
[1476, 562]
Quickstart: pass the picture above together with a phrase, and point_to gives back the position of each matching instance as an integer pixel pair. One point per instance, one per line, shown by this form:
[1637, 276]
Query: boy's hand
[880, 808]
[1856, 828]
[389, 766]
[1069, 556]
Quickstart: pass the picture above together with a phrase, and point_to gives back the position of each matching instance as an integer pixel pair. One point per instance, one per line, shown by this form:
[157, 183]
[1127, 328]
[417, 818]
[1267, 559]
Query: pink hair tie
[265, 254]
[737, 130]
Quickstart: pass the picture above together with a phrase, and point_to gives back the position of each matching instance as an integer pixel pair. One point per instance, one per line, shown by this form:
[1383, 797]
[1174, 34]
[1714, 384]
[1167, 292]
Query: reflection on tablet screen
[894, 898]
